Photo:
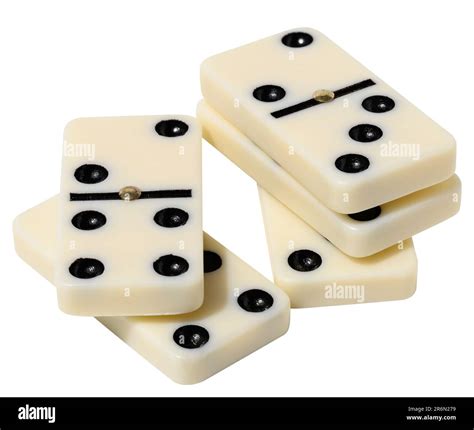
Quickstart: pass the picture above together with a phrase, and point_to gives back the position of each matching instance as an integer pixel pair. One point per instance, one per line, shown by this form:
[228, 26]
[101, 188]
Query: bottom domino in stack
[313, 272]
[242, 310]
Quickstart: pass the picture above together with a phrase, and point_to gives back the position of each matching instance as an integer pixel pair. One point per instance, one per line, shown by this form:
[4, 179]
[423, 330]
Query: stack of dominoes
[347, 169]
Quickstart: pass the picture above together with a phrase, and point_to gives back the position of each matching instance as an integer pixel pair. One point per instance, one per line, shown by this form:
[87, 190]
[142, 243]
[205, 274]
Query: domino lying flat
[242, 310]
[313, 272]
[130, 231]
[328, 121]
[358, 235]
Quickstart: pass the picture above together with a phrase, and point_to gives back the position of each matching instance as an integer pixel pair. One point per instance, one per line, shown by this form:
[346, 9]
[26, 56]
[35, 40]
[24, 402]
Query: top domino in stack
[130, 230]
[330, 123]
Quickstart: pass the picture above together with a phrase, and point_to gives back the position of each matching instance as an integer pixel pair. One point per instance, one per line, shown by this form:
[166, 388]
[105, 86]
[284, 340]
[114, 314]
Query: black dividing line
[80, 197]
[160, 194]
[312, 102]
[163, 194]
[295, 108]
[353, 88]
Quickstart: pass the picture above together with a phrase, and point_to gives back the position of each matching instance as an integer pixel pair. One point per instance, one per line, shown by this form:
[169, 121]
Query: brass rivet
[129, 193]
[323, 96]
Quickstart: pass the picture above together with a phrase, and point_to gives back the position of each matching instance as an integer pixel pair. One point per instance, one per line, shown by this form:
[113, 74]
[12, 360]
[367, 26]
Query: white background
[65, 59]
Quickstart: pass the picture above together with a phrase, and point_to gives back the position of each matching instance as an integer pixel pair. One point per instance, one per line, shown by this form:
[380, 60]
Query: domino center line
[159, 194]
[313, 102]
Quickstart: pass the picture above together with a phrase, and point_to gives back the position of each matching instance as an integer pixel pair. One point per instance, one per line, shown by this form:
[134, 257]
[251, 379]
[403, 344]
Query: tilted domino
[313, 272]
[130, 231]
[242, 310]
[334, 126]
[358, 235]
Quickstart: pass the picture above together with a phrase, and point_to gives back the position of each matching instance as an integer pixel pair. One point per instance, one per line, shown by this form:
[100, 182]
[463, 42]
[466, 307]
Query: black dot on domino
[91, 174]
[255, 300]
[304, 260]
[86, 268]
[191, 336]
[367, 215]
[89, 220]
[171, 128]
[171, 217]
[378, 104]
[352, 163]
[269, 93]
[365, 133]
[171, 265]
[212, 261]
[298, 39]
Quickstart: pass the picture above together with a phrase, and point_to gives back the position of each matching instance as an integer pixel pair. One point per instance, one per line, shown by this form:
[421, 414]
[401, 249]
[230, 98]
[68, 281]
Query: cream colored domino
[130, 231]
[313, 272]
[396, 220]
[338, 129]
[242, 310]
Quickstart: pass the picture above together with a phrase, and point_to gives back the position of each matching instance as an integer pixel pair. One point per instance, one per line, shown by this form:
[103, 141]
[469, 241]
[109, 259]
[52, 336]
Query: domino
[313, 272]
[339, 130]
[130, 230]
[242, 310]
[359, 234]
